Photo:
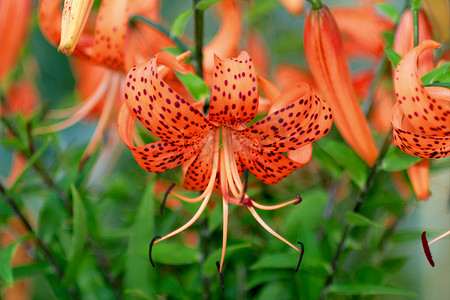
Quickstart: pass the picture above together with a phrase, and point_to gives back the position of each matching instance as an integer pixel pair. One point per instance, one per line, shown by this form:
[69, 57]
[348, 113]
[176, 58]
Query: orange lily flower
[325, 54]
[420, 116]
[403, 42]
[114, 45]
[215, 149]
[12, 37]
[362, 29]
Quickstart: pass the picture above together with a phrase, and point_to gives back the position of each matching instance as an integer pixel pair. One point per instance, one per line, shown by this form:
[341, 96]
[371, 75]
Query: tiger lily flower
[74, 18]
[13, 37]
[326, 58]
[109, 50]
[420, 116]
[403, 42]
[215, 149]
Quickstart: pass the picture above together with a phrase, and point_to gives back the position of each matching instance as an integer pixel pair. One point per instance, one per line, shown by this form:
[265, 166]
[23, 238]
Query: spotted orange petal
[154, 157]
[420, 117]
[161, 109]
[299, 117]
[234, 97]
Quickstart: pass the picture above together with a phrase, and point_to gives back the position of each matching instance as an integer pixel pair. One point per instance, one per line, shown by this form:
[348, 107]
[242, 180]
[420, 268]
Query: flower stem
[316, 4]
[180, 44]
[198, 33]
[359, 202]
[416, 5]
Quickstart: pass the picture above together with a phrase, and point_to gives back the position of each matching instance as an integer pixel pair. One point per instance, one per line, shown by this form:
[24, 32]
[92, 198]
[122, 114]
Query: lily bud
[74, 18]
[326, 58]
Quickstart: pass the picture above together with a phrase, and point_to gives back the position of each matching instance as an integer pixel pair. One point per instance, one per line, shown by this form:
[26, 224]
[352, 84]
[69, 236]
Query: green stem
[359, 202]
[180, 44]
[416, 5]
[316, 4]
[198, 33]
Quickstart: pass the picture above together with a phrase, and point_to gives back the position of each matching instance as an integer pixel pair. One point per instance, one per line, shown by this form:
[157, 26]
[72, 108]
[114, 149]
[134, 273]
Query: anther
[163, 203]
[426, 248]
[150, 249]
[220, 274]
[299, 199]
[301, 256]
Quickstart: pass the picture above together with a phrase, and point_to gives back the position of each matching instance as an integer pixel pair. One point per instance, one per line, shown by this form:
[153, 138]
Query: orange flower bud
[326, 58]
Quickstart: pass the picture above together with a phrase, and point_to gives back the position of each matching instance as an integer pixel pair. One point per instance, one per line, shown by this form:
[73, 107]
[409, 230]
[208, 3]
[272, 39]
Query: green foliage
[397, 160]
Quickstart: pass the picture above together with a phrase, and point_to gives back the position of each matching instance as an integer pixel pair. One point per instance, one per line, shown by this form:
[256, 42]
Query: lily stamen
[163, 203]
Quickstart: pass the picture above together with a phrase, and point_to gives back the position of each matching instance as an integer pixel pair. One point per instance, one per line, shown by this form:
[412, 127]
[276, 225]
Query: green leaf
[393, 56]
[356, 219]
[79, 237]
[171, 253]
[30, 270]
[205, 4]
[440, 75]
[396, 160]
[209, 266]
[368, 289]
[347, 158]
[390, 10]
[32, 161]
[416, 4]
[327, 162]
[196, 86]
[393, 265]
[180, 22]
[277, 261]
[368, 275]
[139, 273]
[6, 255]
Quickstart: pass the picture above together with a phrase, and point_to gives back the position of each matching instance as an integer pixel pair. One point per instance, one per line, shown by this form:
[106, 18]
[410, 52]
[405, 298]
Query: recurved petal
[298, 118]
[154, 157]
[234, 96]
[161, 109]
[416, 143]
[428, 115]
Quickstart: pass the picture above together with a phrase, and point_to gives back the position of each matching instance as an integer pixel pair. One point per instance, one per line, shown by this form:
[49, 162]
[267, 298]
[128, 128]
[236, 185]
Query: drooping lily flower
[110, 49]
[362, 29]
[437, 12]
[12, 37]
[421, 115]
[294, 7]
[215, 149]
[325, 54]
[403, 42]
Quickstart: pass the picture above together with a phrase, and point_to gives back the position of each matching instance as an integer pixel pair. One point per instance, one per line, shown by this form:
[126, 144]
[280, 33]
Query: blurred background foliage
[103, 247]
